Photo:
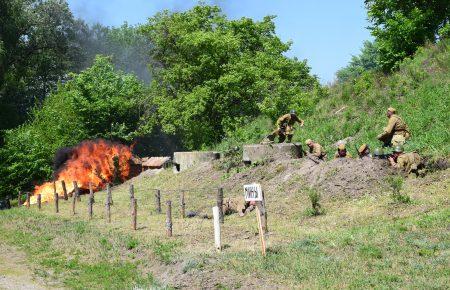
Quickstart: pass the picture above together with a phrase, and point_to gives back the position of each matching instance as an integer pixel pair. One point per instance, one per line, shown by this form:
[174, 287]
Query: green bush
[98, 102]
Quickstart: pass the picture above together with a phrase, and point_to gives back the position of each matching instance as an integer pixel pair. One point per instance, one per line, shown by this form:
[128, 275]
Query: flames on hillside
[97, 162]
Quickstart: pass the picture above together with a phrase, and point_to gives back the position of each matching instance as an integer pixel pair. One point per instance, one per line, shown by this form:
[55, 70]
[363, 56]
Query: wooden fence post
[28, 200]
[56, 197]
[220, 203]
[134, 214]
[108, 203]
[39, 201]
[19, 200]
[158, 200]
[131, 194]
[63, 184]
[91, 201]
[76, 191]
[109, 193]
[75, 196]
[216, 217]
[169, 218]
[182, 205]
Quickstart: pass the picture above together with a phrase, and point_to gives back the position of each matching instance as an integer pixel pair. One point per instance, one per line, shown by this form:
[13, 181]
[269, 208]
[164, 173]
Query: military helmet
[293, 112]
[391, 109]
[341, 146]
[398, 149]
[378, 152]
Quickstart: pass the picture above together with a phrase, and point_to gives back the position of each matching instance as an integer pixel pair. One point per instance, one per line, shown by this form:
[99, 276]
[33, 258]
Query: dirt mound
[334, 178]
[348, 177]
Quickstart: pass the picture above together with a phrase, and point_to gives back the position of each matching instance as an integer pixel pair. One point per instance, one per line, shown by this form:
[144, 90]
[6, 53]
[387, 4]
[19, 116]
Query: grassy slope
[420, 91]
[368, 242]
[371, 241]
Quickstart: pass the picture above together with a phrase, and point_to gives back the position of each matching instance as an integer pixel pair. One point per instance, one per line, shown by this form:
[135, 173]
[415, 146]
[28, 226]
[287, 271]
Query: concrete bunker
[184, 160]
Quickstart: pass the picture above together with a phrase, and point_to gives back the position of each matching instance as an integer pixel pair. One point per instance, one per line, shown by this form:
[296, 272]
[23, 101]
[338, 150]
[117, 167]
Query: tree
[400, 27]
[38, 48]
[211, 75]
[97, 103]
[365, 61]
[127, 46]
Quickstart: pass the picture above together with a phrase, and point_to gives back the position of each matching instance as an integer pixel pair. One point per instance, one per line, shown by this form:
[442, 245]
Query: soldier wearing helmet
[378, 153]
[342, 152]
[285, 127]
[396, 132]
[364, 151]
[316, 150]
[407, 162]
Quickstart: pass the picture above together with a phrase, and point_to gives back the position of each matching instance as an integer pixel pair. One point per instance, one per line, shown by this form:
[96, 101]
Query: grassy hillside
[365, 239]
[420, 92]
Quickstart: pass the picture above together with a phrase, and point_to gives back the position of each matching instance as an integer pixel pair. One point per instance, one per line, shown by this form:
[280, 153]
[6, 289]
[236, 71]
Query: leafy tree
[366, 60]
[212, 75]
[98, 102]
[400, 27]
[38, 48]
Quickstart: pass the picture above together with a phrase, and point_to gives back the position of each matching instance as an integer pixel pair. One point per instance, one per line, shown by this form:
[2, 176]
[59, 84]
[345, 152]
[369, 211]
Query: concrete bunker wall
[184, 160]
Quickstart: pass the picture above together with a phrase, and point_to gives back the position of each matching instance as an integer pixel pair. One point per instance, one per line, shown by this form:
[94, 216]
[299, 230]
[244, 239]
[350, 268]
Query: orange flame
[98, 162]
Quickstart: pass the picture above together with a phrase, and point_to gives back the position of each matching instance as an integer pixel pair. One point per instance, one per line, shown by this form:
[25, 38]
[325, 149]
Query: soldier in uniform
[285, 127]
[378, 153]
[364, 151]
[396, 132]
[407, 162]
[316, 149]
[342, 152]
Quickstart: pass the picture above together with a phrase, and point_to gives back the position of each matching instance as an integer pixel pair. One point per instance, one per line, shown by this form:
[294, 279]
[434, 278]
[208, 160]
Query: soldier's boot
[289, 138]
[281, 138]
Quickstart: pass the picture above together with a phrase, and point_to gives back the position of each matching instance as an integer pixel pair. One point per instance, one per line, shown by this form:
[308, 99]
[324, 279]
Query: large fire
[97, 162]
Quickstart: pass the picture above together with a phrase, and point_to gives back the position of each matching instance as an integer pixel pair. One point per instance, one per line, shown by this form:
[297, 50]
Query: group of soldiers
[395, 134]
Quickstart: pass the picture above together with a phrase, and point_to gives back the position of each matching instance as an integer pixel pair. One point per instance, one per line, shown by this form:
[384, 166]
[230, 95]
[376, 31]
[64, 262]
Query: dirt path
[16, 273]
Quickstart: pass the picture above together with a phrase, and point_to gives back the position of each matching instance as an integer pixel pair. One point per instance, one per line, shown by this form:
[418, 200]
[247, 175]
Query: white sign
[253, 192]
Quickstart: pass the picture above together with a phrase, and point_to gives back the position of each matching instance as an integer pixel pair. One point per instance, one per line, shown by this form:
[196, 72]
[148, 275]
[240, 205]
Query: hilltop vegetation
[356, 109]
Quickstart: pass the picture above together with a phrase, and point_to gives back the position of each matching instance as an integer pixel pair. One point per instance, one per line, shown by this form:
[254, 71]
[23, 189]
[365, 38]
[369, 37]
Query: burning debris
[97, 162]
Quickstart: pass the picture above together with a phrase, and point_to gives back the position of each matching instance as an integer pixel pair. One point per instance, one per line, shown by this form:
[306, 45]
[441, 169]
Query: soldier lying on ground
[285, 128]
[364, 151]
[396, 132]
[409, 163]
[342, 152]
[315, 150]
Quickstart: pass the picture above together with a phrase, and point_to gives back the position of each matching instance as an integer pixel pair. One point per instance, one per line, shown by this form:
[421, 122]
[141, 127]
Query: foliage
[212, 75]
[314, 198]
[365, 61]
[97, 103]
[396, 185]
[400, 27]
[38, 47]
[419, 91]
[125, 44]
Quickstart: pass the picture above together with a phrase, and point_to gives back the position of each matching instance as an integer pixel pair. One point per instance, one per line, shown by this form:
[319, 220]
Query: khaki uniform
[317, 151]
[396, 132]
[285, 128]
[409, 162]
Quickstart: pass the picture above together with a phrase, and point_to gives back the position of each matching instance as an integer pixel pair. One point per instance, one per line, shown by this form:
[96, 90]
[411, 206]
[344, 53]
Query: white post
[261, 231]
[216, 216]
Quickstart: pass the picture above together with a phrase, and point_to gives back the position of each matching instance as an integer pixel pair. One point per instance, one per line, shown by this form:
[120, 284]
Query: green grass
[411, 252]
[74, 252]
[419, 91]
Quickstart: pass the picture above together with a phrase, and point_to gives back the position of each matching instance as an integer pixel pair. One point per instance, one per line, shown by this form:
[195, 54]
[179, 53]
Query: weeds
[396, 185]
[165, 251]
[316, 208]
